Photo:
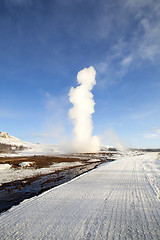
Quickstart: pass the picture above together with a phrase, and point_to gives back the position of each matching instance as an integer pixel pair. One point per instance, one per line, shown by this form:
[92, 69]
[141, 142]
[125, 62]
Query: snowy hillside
[12, 145]
[6, 138]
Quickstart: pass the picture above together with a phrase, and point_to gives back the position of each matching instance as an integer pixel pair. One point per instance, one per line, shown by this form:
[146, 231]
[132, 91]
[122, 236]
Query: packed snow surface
[31, 149]
[118, 200]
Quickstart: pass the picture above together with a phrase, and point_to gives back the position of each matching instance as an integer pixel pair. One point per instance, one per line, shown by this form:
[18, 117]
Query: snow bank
[5, 166]
[8, 174]
[26, 164]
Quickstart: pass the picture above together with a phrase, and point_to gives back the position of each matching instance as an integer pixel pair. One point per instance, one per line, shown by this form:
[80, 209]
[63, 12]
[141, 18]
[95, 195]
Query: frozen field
[118, 200]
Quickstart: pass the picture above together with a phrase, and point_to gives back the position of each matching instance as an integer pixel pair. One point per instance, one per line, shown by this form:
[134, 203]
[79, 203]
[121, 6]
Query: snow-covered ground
[33, 149]
[118, 200]
[39, 149]
[9, 174]
[25, 170]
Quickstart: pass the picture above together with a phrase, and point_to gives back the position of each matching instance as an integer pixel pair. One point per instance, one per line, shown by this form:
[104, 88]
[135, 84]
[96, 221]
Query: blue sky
[43, 45]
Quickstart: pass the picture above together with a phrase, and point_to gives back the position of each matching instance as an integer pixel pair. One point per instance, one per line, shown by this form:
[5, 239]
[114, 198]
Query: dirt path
[119, 200]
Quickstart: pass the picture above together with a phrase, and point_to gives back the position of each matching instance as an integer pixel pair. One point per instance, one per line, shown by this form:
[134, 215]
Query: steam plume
[113, 139]
[81, 112]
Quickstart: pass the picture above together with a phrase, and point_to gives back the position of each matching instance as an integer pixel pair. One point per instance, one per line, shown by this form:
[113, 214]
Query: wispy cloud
[152, 134]
[140, 46]
[156, 130]
[127, 61]
[139, 115]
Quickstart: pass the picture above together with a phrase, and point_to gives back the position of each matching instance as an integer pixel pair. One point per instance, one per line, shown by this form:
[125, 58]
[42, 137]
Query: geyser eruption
[81, 112]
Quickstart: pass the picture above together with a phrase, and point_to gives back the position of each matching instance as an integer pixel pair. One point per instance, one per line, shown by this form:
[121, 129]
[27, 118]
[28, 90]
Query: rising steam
[81, 113]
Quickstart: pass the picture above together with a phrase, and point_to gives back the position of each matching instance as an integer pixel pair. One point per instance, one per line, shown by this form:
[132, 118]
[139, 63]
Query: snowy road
[119, 200]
